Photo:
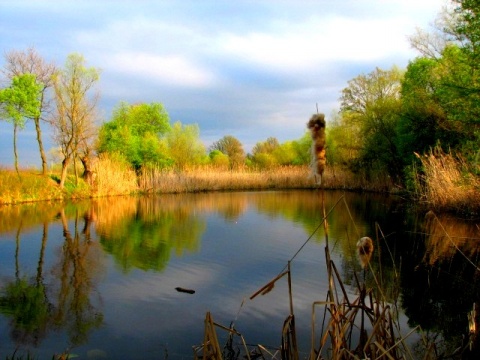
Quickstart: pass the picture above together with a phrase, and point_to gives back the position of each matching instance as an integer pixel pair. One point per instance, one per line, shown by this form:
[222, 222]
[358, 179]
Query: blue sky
[250, 69]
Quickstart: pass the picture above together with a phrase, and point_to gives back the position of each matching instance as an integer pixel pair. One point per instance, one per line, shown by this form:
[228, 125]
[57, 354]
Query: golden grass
[287, 177]
[26, 187]
[113, 177]
[447, 182]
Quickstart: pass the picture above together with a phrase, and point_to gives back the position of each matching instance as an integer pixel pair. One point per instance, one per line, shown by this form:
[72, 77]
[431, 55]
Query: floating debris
[183, 290]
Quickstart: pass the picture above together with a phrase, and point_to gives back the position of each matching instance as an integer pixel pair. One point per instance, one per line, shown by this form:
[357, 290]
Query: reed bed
[288, 177]
[113, 177]
[446, 182]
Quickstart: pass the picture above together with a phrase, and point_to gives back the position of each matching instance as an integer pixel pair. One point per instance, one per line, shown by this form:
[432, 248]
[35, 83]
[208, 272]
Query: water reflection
[429, 266]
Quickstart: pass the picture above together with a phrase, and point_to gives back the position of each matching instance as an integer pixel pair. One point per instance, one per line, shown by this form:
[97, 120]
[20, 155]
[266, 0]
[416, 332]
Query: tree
[76, 101]
[218, 159]
[231, 147]
[30, 62]
[18, 102]
[370, 106]
[263, 153]
[184, 145]
[134, 132]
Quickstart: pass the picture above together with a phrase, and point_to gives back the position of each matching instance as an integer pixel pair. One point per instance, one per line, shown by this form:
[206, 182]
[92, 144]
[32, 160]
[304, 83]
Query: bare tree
[76, 101]
[29, 61]
[431, 44]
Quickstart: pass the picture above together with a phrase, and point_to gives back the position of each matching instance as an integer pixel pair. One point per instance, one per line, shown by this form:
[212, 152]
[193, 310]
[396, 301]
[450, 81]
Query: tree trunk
[15, 147]
[63, 177]
[88, 173]
[75, 170]
[40, 145]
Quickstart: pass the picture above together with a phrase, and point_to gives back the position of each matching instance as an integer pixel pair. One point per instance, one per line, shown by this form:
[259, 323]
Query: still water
[98, 278]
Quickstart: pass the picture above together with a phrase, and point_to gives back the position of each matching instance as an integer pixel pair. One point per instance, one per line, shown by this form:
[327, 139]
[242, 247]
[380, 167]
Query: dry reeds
[447, 183]
[114, 177]
[210, 179]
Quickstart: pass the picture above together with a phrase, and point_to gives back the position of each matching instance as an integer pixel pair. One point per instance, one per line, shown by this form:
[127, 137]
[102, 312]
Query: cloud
[174, 70]
[319, 42]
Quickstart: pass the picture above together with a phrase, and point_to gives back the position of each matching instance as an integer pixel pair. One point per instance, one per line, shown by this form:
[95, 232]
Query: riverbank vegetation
[415, 130]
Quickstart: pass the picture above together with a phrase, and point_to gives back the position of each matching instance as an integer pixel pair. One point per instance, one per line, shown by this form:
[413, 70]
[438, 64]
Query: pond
[98, 278]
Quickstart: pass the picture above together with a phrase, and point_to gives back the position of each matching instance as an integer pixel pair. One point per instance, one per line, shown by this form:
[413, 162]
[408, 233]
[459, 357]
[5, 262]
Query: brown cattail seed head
[316, 125]
[364, 250]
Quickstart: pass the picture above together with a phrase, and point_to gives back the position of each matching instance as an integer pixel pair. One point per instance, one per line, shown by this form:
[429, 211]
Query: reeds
[361, 326]
[446, 182]
[113, 176]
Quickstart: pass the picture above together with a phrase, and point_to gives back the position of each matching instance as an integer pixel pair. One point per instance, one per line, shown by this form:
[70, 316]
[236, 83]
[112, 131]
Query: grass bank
[442, 182]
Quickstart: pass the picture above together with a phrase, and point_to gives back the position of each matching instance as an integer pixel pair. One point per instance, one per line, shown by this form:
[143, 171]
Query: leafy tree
[423, 122]
[231, 147]
[263, 153]
[302, 148]
[134, 132]
[18, 63]
[73, 121]
[18, 102]
[370, 105]
[218, 159]
[184, 145]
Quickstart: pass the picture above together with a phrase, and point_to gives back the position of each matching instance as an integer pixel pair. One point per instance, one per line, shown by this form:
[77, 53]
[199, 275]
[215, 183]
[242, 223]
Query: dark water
[97, 278]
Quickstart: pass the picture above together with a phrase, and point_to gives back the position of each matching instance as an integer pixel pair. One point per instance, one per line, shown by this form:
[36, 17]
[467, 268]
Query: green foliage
[219, 159]
[21, 99]
[270, 153]
[302, 149]
[184, 145]
[134, 132]
[365, 133]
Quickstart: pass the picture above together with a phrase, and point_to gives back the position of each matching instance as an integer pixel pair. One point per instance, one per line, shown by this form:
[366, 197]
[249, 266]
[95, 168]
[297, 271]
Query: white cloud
[321, 41]
[175, 70]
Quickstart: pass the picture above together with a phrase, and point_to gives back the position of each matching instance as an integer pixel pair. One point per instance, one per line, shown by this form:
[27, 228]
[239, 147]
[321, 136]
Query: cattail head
[316, 125]
[364, 250]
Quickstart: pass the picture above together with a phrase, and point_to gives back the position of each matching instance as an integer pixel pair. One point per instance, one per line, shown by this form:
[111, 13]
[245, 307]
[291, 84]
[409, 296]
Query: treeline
[407, 127]
[141, 135]
[419, 126]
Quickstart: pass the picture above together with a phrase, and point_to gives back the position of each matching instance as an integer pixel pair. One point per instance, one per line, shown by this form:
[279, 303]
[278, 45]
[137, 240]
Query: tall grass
[113, 177]
[26, 186]
[213, 179]
[445, 181]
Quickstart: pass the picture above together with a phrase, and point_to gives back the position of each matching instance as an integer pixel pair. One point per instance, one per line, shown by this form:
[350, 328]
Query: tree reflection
[76, 270]
[26, 301]
[147, 234]
[441, 281]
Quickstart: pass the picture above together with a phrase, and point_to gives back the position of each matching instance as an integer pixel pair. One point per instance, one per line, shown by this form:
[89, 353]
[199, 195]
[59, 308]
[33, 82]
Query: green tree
[134, 132]
[18, 63]
[263, 153]
[18, 102]
[302, 150]
[76, 101]
[184, 145]
[423, 122]
[218, 159]
[232, 147]
[370, 105]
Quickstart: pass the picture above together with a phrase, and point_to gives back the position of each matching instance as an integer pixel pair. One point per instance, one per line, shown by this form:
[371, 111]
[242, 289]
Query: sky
[250, 69]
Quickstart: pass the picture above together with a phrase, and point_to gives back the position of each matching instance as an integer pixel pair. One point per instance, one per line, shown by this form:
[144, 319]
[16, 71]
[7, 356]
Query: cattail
[364, 250]
[316, 125]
